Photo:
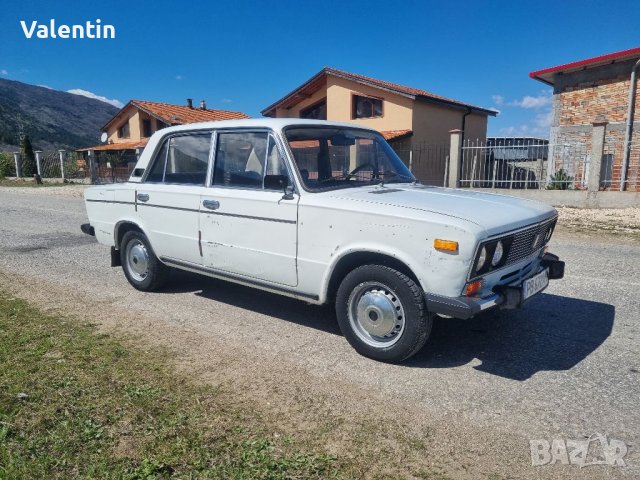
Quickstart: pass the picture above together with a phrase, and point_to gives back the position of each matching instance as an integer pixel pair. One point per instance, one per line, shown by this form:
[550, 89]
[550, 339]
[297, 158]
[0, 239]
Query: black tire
[156, 273]
[395, 290]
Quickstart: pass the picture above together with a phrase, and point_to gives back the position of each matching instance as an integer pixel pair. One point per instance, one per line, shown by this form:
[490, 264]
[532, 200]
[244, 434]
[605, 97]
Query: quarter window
[366, 107]
[182, 160]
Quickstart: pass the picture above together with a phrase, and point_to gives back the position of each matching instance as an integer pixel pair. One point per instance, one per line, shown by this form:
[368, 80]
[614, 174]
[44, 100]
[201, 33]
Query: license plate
[535, 284]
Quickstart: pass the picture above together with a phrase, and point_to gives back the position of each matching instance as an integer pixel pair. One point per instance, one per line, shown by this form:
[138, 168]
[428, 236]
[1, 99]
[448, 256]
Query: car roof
[273, 123]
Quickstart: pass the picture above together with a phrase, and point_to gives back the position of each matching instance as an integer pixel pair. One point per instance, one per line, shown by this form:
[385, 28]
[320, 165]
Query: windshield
[339, 157]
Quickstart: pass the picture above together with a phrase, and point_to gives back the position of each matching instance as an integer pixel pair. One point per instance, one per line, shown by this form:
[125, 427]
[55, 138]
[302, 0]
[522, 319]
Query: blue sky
[243, 55]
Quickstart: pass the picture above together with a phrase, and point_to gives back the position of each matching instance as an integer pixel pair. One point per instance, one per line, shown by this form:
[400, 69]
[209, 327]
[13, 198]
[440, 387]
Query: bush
[6, 164]
[561, 180]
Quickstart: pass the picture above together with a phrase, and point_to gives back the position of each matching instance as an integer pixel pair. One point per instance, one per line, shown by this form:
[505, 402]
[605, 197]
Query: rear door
[168, 201]
[248, 224]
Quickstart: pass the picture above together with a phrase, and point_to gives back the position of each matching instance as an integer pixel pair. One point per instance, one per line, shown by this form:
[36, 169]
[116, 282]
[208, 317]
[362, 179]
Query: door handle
[143, 197]
[211, 204]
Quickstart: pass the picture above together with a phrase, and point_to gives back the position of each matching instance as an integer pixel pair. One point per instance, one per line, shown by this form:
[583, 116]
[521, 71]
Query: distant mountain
[52, 119]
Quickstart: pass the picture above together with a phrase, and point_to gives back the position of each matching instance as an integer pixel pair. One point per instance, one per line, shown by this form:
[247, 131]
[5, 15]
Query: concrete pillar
[16, 157]
[38, 161]
[62, 156]
[92, 166]
[597, 148]
[455, 158]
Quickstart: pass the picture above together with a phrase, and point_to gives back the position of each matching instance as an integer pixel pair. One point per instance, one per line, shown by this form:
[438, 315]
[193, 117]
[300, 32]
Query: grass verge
[78, 403]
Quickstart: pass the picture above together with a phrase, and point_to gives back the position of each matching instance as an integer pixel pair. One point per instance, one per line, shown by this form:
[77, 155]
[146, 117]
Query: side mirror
[287, 189]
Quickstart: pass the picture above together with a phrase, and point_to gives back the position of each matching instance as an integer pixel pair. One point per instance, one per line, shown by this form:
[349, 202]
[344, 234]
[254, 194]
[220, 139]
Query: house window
[146, 128]
[160, 125]
[123, 131]
[366, 107]
[315, 112]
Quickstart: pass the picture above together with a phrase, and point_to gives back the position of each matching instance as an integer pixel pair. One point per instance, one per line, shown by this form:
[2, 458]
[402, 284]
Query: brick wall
[582, 103]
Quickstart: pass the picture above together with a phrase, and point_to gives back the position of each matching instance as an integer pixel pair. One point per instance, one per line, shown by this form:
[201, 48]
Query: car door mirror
[279, 182]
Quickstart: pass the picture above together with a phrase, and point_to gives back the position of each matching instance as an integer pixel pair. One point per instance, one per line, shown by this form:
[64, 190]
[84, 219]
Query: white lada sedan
[322, 212]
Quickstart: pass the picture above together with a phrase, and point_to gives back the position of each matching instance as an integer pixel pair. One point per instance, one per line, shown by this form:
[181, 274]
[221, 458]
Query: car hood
[493, 212]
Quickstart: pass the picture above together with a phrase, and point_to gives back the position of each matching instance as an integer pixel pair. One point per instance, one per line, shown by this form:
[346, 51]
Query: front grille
[522, 245]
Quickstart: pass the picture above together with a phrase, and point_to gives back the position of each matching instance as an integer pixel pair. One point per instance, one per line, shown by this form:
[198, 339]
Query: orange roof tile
[178, 114]
[314, 84]
[395, 134]
[116, 146]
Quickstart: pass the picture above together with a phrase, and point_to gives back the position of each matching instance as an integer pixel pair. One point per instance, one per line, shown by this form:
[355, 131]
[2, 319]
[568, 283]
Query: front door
[248, 224]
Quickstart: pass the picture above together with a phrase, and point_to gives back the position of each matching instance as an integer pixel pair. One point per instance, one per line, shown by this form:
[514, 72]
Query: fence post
[455, 152]
[62, 155]
[92, 166]
[597, 148]
[38, 162]
[16, 157]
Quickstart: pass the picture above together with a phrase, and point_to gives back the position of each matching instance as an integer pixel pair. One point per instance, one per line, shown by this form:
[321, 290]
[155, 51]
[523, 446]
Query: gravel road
[566, 366]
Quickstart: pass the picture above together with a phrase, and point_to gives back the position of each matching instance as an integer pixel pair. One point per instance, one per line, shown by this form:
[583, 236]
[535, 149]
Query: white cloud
[227, 100]
[539, 101]
[46, 86]
[179, 77]
[86, 93]
[543, 120]
[4, 72]
[498, 99]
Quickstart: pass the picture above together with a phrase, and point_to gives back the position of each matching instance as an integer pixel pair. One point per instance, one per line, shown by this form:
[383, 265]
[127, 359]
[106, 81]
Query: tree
[28, 157]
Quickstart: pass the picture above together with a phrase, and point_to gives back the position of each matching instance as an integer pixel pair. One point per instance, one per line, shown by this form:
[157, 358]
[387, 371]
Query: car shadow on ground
[289, 309]
[551, 333]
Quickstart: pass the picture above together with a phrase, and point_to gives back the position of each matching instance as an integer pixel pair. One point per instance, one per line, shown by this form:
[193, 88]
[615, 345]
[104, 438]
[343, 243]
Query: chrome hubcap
[138, 261]
[376, 314]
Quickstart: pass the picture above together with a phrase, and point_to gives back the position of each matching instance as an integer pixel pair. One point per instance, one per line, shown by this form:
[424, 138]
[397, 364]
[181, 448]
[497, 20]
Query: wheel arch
[122, 227]
[358, 258]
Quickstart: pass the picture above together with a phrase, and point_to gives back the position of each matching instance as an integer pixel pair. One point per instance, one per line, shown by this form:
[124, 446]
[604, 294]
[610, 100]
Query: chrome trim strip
[250, 217]
[110, 201]
[237, 278]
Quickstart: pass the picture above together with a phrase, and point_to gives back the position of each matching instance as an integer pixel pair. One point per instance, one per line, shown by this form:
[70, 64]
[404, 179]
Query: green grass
[75, 403]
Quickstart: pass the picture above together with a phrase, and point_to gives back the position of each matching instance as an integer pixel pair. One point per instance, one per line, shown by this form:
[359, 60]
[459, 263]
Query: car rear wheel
[382, 313]
[141, 266]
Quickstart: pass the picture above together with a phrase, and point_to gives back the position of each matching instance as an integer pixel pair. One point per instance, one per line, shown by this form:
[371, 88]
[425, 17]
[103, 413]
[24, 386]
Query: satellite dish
[103, 137]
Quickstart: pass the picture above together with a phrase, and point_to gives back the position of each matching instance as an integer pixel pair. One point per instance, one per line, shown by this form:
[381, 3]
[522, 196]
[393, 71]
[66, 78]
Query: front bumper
[503, 296]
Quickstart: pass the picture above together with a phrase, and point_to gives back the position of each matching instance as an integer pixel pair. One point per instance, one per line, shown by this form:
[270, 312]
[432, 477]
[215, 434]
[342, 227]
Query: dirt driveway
[567, 366]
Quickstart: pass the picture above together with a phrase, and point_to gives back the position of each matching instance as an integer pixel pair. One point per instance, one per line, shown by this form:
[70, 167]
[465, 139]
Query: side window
[183, 160]
[240, 159]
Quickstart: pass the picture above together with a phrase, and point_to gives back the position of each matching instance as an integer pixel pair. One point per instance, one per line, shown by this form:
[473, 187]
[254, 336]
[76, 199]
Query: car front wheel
[141, 266]
[382, 313]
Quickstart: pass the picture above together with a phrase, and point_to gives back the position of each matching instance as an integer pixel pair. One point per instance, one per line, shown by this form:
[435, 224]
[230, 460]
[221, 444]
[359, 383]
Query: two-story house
[409, 118]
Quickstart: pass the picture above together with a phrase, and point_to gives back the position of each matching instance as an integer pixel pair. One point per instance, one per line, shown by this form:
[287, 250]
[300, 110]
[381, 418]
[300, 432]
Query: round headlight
[482, 258]
[497, 255]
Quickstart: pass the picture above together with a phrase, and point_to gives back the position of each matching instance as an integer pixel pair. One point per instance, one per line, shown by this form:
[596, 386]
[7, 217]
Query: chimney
[203, 105]
[189, 103]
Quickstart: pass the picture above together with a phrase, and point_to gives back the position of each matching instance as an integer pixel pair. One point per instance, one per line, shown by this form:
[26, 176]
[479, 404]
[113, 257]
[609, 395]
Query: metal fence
[428, 163]
[612, 164]
[524, 164]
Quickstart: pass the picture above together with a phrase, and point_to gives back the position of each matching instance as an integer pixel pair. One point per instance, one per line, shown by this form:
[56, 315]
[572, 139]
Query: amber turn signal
[445, 245]
[472, 288]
